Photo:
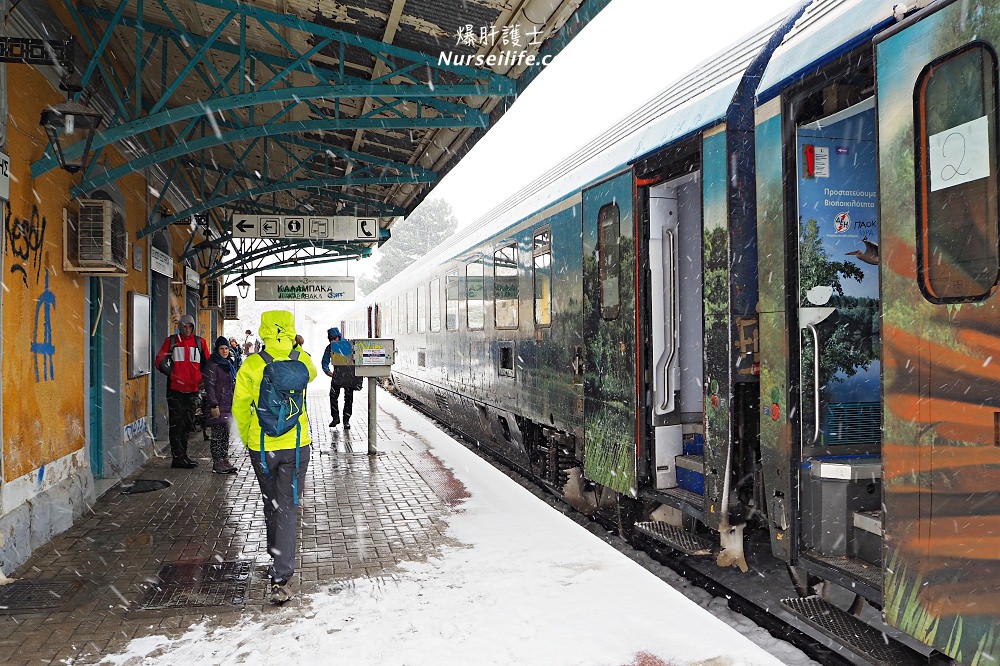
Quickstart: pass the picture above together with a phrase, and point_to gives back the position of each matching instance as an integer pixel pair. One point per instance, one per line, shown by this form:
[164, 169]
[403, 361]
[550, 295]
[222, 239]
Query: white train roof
[697, 101]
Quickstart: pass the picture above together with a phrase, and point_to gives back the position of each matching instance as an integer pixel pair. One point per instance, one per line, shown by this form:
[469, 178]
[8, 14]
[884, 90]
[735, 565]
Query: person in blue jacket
[338, 364]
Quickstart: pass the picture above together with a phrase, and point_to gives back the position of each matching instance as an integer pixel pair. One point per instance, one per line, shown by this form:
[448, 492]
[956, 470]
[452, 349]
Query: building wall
[43, 342]
[46, 459]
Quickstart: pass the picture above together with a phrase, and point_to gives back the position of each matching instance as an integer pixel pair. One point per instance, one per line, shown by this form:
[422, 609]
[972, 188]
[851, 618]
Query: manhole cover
[144, 486]
[36, 594]
[200, 583]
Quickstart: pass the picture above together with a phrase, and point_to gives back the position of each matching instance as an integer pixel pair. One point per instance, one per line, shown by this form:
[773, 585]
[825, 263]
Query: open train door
[938, 143]
[609, 334]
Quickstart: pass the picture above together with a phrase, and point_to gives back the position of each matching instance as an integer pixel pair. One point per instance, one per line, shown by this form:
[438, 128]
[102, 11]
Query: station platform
[421, 554]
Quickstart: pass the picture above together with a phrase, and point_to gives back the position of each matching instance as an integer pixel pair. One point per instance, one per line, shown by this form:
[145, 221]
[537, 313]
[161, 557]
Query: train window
[411, 313]
[421, 308]
[506, 360]
[609, 260]
[435, 304]
[475, 292]
[505, 297]
[956, 109]
[541, 266]
[451, 301]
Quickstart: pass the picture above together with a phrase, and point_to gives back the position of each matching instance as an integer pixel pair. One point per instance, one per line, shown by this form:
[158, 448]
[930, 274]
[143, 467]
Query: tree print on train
[941, 460]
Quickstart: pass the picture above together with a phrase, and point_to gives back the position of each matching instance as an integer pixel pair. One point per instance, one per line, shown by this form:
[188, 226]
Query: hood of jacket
[277, 332]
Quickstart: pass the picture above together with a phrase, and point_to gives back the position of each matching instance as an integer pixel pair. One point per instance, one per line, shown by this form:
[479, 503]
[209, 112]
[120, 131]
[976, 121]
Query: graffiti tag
[25, 239]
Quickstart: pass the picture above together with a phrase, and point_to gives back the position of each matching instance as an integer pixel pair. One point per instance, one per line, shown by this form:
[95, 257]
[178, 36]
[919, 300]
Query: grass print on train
[639, 329]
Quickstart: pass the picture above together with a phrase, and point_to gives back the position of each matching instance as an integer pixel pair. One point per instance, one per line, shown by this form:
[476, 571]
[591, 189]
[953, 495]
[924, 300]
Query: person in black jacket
[220, 380]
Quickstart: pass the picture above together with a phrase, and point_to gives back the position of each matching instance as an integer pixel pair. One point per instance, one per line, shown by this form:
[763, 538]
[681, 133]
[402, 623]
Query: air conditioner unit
[213, 294]
[231, 308]
[95, 240]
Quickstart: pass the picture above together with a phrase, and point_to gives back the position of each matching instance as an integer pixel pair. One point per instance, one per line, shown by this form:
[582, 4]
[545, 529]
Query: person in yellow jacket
[286, 457]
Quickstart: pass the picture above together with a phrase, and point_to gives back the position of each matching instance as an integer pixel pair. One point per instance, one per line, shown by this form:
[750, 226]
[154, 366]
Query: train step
[676, 538]
[861, 639]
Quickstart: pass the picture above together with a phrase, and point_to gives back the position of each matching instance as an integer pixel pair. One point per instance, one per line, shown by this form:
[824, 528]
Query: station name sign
[291, 288]
[289, 227]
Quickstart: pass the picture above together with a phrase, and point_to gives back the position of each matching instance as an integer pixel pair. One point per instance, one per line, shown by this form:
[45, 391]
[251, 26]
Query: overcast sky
[632, 50]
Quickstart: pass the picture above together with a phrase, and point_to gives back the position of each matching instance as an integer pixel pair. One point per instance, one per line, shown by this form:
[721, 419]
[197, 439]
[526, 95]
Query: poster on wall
[140, 357]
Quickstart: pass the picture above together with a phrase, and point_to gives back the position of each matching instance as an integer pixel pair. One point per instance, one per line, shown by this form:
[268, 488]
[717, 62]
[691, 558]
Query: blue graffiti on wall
[46, 349]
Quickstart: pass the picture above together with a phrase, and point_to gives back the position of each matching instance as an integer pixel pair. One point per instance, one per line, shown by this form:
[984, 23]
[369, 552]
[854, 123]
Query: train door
[609, 266]
[675, 299]
[839, 331]
[938, 144]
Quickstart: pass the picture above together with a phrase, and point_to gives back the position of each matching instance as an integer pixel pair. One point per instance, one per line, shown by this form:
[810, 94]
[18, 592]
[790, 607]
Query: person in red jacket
[189, 354]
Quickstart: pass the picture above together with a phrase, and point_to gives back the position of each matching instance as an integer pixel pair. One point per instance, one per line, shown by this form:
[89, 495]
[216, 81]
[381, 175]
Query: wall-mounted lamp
[243, 287]
[62, 121]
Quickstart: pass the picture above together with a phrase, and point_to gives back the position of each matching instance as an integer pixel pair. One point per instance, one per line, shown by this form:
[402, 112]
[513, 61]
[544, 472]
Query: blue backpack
[282, 398]
[281, 402]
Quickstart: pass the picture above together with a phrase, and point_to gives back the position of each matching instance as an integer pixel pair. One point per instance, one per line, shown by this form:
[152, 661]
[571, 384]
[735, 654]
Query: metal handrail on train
[669, 323]
[816, 420]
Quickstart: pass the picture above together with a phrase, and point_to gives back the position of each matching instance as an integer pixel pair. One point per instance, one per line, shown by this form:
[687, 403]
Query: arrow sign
[245, 226]
[270, 227]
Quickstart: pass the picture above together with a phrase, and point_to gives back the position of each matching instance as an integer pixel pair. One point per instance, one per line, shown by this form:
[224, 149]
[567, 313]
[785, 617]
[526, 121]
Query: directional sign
[245, 226]
[270, 227]
[343, 228]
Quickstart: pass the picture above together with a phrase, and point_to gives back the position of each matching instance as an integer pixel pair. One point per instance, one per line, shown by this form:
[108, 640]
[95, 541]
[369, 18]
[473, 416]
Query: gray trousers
[280, 513]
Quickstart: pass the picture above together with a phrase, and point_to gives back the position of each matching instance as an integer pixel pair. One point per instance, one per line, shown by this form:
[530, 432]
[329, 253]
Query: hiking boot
[281, 592]
[334, 423]
[347, 426]
[183, 463]
[223, 467]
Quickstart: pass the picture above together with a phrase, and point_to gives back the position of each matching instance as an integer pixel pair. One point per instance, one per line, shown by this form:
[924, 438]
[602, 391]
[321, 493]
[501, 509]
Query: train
[759, 313]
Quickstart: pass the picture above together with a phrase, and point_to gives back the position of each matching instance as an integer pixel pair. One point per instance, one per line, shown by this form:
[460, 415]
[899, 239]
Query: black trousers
[348, 403]
[281, 515]
[180, 407]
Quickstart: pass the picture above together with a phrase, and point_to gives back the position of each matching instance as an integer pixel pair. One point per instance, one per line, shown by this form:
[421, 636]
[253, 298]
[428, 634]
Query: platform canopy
[298, 107]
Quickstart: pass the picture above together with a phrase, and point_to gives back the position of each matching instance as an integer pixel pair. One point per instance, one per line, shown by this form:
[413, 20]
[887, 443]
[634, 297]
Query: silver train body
[760, 309]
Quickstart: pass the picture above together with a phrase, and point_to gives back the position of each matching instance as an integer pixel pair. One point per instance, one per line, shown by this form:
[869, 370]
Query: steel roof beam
[265, 17]
[321, 183]
[416, 60]
[328, 125]
[296, 261]
[299, 251]
[281, 95]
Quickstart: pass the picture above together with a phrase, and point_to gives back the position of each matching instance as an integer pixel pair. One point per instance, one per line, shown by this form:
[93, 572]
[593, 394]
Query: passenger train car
[762, 308]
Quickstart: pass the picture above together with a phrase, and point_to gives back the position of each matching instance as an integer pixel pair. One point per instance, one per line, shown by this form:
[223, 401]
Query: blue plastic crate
[691, 481]
[694, 445]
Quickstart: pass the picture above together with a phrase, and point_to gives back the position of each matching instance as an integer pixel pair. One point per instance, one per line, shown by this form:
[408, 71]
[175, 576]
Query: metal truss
[255, 255]
[235, 125]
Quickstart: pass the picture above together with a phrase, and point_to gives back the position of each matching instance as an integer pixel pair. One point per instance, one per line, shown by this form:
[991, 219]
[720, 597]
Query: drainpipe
[4, 8]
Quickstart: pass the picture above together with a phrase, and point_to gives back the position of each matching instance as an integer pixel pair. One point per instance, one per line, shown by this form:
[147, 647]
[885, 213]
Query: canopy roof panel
[300, 107]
